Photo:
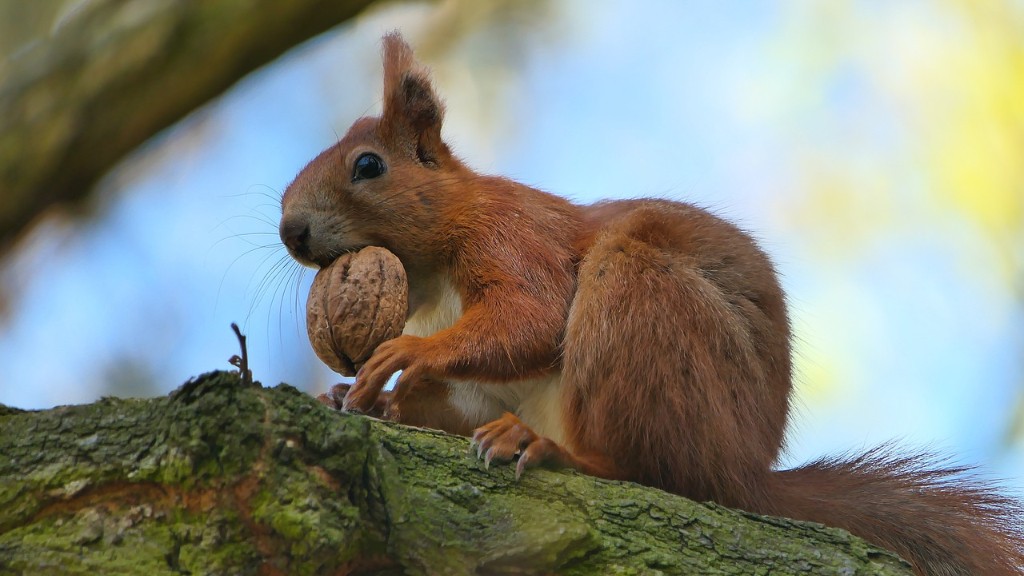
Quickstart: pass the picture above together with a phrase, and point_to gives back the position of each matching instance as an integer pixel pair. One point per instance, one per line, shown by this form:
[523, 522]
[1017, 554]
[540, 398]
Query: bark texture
[115, 72]
[224, 478]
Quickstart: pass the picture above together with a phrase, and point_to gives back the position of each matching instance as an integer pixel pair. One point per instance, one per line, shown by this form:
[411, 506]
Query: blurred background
[876, 150]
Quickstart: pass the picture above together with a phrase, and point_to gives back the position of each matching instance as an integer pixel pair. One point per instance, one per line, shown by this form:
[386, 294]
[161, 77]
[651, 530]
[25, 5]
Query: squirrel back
[650, 335]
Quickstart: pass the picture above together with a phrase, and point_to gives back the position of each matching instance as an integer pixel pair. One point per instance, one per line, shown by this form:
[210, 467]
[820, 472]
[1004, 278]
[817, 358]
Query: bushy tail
[942, 520]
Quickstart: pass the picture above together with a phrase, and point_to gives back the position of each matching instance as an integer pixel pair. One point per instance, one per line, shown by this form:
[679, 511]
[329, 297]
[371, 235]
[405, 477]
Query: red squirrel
[643, 340]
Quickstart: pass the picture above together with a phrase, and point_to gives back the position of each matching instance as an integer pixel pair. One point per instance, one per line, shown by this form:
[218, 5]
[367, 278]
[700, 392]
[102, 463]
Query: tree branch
[116, 73]
[220, 477]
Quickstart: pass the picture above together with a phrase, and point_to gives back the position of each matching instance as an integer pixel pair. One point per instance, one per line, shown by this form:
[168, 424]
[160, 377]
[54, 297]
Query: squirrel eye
[367, 166]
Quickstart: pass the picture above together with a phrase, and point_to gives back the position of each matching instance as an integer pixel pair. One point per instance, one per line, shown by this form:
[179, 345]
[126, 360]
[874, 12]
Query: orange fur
[660, 328]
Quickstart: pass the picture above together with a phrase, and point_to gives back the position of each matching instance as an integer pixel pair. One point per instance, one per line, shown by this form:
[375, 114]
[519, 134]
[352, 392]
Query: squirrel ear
[412, 111]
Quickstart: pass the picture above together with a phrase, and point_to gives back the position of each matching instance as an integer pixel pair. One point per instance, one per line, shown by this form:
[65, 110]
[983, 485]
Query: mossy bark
[224, 478]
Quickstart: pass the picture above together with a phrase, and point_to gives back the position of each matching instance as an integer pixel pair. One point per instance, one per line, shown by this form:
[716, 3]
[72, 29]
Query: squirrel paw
[335, 399]
[406, 353]
[507, 436]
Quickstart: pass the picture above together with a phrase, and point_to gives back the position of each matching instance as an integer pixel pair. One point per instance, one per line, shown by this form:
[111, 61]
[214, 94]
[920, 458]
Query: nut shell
[355, 304]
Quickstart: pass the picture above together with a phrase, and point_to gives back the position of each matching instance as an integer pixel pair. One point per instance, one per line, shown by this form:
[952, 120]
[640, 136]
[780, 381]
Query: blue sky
[899, 335]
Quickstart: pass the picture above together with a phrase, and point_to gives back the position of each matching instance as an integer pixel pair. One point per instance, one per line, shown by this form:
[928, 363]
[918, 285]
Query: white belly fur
[537, 402]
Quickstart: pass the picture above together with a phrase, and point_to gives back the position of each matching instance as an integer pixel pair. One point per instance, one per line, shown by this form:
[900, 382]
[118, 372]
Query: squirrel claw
[506, 437]
[522, 464]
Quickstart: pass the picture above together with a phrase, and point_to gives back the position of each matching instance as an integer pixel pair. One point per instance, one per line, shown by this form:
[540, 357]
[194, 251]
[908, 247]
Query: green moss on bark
[136, 540]
[219, 478]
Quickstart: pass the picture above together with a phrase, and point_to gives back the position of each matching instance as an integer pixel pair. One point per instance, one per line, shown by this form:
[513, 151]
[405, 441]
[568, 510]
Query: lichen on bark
[223, 478]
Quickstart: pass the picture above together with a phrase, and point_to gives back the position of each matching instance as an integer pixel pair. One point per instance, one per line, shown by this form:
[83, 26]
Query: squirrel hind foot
[502, 439]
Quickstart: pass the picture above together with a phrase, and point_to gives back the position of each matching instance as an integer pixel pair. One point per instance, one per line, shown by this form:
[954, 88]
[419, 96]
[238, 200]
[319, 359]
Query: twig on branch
[241, 362]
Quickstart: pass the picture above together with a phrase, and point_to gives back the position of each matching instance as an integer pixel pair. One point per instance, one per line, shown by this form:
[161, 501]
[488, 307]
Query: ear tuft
[413, 113]
[398, 60]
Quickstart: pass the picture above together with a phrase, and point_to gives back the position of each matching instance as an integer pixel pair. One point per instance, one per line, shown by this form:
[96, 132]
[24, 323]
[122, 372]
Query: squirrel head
[383, 182]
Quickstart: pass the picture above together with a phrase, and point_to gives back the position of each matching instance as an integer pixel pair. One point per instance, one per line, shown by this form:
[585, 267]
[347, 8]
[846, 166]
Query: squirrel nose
[295, 235]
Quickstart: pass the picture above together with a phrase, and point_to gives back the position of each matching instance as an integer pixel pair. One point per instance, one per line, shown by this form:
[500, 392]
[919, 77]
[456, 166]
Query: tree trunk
[224, 478]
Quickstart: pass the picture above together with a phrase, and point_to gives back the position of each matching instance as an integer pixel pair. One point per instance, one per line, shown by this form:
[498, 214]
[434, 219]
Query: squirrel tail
[941, 519]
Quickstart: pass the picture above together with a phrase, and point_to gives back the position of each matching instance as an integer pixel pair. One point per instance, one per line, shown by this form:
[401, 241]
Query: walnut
[354, 305]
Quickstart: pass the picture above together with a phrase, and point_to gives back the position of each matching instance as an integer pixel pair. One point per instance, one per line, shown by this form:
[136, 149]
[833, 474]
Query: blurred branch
[113, 73]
